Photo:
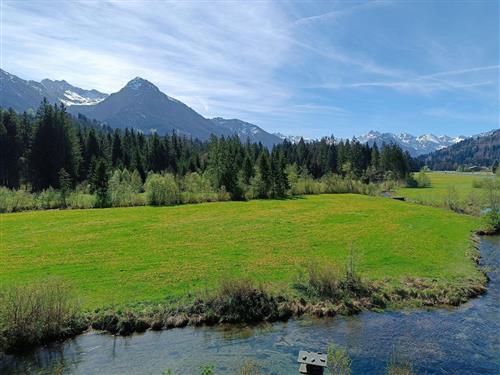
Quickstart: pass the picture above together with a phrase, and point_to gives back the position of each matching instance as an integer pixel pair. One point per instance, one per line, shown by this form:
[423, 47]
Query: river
[463, 340]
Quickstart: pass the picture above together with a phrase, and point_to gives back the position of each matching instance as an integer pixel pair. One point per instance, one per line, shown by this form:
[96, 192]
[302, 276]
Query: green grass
[442, 182]
[124, 255]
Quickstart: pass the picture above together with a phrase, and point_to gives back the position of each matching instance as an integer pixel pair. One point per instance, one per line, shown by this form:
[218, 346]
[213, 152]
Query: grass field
[460, 185]
[123, 255]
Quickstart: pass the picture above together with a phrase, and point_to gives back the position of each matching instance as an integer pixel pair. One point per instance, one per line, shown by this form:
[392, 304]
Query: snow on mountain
[22, 95]
[292, 138]
[245, 130]
[416, 146]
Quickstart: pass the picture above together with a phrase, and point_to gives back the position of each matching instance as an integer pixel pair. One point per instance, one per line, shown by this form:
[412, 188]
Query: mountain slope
[245, 130]
[416, 146]
[22, 95]
[141, 105]
[480, 151]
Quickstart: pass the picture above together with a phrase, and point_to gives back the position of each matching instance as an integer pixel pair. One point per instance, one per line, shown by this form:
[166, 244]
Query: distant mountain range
[22, 95]
[139, 105]
[478, 151]
[142, 106]
[415, 145]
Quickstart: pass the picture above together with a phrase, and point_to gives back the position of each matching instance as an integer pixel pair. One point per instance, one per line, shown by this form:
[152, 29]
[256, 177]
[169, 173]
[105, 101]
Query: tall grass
[36, 313]
[338, 361]
[240, 300]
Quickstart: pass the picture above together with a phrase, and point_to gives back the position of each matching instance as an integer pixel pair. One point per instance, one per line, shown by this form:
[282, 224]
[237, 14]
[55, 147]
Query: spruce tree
[99, 183]
[65, 185]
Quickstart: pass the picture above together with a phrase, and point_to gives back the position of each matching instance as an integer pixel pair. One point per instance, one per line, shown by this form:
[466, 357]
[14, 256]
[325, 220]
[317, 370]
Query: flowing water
[463, 340]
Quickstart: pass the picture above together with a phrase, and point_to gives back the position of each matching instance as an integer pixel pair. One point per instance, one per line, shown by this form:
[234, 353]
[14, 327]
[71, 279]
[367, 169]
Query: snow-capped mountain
[292, 138]
[71, 95]
[139, 105]
[245, 130]
[420, 145]
[22, 95]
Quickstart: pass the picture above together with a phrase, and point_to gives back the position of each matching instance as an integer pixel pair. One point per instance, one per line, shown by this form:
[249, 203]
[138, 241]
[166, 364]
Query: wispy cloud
[454, 114]
[328, 16]
[306, 66]
[430, 82]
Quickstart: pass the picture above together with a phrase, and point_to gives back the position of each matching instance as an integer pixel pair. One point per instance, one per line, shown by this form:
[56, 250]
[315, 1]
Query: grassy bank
[125, 255]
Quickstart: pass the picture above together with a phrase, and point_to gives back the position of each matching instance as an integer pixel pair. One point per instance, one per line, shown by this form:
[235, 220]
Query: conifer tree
[99, 183]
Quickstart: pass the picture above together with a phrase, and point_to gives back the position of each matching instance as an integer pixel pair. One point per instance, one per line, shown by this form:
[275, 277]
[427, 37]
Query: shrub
[242, 301]
[33, 314]
[80, 200]
[338, 361]
[491, 220]
[122, 192]
[162, 190]
[48, 199]
[327, 281]
[423, 179]
[16, 200]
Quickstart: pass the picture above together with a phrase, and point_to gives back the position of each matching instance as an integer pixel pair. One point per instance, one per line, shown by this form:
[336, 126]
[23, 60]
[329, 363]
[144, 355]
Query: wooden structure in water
[311, 363]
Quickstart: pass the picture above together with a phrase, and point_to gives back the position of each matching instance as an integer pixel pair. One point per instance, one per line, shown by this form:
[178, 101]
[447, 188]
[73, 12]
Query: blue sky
[307, 68]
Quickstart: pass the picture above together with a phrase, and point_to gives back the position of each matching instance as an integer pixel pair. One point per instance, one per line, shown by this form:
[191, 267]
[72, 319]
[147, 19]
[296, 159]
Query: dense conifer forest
[53, 150]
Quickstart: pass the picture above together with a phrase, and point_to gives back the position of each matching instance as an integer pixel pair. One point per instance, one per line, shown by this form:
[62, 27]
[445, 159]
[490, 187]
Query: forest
[52, 150]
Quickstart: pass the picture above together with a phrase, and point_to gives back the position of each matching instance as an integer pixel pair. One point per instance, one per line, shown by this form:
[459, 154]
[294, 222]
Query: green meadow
[455, 185]
[125, 255]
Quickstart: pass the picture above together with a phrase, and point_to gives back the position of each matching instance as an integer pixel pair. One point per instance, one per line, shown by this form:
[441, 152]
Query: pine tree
[65, 185]
[55, 146]
[248, 171]
[264, 175]
[116, 149]
[99, 183]
[11, 149]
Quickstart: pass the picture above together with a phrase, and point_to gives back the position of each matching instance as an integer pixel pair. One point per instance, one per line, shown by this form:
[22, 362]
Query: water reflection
[464, 340]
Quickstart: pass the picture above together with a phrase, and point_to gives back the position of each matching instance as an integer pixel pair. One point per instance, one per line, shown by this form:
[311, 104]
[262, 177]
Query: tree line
[53, 149]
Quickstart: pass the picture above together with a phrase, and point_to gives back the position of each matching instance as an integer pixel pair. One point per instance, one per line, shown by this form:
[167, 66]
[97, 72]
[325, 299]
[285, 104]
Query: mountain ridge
[140, 105]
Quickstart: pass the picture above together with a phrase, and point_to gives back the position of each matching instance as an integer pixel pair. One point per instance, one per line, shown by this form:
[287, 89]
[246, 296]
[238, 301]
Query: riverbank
[374, 253]
[455, 340]
[323, 292]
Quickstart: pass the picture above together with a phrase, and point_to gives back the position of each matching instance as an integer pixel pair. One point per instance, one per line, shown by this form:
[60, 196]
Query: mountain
[22, 95]
[416, 146]
[246, 130]
[71, 95]
[141, 105]
[479, 151]
[292, 138]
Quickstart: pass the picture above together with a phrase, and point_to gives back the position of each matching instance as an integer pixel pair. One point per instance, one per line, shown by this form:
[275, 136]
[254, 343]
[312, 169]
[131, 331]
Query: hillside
[479, 151]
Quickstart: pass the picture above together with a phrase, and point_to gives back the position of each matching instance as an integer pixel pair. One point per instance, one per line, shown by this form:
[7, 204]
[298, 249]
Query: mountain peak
[139, 83]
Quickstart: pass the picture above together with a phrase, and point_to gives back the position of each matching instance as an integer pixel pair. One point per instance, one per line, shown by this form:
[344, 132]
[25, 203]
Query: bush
[329, 282]
[242, 301]
[16, 200]
[36, 313]
[491, 220]
[48, 199]
[80, 200]
[122, 191]
[162, 190]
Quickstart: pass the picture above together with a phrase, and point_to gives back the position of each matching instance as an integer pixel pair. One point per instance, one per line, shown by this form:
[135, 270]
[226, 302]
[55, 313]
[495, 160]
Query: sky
[310, 68]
